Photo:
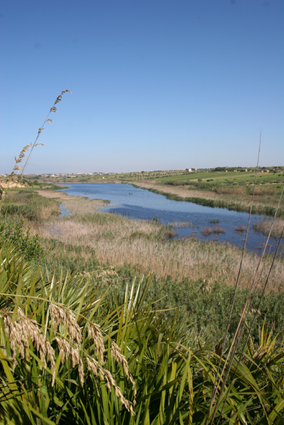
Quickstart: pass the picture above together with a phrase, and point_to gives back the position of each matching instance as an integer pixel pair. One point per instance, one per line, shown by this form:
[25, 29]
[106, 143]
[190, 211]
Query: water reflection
[188, 219]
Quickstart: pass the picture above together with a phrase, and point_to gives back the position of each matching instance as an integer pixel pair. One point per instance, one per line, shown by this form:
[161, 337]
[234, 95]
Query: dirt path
[177, 190]
[53, 194]
[74, 204]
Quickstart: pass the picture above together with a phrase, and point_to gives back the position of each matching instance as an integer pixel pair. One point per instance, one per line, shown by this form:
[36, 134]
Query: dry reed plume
[20, 330]
[16, 176]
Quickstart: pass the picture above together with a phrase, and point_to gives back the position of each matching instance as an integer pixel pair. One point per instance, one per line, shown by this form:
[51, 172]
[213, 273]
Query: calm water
[141, 204]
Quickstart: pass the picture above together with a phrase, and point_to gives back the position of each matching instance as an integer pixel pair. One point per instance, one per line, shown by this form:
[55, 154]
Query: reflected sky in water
[141, 204]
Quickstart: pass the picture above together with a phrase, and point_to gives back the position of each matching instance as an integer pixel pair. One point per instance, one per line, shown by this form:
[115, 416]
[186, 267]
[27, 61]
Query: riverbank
[198, 277]
[88, 237]
[224, 188]
[234, 201]
[146, 245]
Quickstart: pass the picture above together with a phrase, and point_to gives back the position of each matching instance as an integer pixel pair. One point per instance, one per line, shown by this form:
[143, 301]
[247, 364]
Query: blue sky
[156, 84]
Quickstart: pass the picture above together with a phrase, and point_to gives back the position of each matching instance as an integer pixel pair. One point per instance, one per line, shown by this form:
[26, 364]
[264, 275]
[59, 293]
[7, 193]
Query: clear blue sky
[156, 84]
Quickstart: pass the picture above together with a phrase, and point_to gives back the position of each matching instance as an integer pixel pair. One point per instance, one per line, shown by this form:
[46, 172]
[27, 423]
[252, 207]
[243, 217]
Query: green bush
[27, 245]
[29, 212]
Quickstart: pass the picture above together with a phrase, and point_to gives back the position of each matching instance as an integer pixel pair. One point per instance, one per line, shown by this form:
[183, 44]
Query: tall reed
[17, 173]
[247, 308]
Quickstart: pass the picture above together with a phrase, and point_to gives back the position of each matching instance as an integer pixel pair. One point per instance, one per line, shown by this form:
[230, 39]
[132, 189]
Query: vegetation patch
[265, 227]
[181, 224]
[219, 203]
[215, 230]
[240, 229]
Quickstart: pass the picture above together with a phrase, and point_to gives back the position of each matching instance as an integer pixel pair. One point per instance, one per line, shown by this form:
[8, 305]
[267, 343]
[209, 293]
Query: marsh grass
[35, 340]
[264, 227]
[119, 240]
[240, 191]
[26, 204]
[215, 230]
[230, 200]
[78, 205]
[240, 229]
[181, 224]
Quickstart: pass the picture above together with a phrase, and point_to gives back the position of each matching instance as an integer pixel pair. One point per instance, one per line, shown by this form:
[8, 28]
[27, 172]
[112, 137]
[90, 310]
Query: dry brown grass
[74, 204]
[241, 191]
[264, 190]
[10, 184]
[215, 230]
[235, 196]
[119, 240]
[177, 258]
[264, 227]
[182, 191]
[240, 229]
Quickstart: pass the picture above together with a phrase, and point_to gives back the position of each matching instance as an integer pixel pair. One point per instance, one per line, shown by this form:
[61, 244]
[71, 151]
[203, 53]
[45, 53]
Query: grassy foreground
[90, 333]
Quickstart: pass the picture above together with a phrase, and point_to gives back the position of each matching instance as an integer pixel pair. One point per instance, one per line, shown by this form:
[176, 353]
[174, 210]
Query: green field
[223, 177]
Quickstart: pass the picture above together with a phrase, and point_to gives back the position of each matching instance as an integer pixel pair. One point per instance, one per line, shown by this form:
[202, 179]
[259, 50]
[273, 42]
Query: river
[187, 219]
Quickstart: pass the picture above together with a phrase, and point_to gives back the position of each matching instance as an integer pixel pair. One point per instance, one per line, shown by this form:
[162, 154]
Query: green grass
[165, 361]
[268, 185]
[268, 210]
[202, 305]
[27, 204]
[219, 177]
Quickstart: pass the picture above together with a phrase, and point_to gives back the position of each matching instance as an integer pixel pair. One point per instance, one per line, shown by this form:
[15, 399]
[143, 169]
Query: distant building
[188, 170]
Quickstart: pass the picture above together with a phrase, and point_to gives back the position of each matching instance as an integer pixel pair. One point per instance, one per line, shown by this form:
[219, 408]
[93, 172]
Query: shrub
[29, 246]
